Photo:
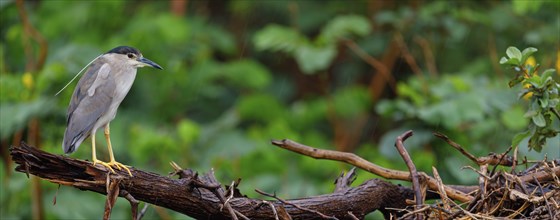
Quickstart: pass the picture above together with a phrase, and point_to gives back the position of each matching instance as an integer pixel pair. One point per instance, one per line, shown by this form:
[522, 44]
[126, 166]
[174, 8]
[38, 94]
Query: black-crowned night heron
[97, 97]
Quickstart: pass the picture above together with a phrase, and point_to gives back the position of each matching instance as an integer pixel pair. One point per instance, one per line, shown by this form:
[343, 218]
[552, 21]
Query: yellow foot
[112, 164]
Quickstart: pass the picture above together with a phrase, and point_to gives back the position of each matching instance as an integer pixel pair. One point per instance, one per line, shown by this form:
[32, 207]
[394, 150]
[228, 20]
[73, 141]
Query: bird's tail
[71, 144]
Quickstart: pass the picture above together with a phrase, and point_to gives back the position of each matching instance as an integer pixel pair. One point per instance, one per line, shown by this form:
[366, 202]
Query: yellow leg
[93, 154]
[112, 161]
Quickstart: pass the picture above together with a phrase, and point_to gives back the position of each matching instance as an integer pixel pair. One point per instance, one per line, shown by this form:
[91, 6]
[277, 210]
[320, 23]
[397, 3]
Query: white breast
[123, 84]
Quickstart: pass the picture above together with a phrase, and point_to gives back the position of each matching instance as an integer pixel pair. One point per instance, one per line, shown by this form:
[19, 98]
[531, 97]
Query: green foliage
[510, 118]
[473, 110]
[260, 107]
[312, 55]
[278, 38]
[542, 91]
[450, 102]
[239, 74]
[523, 7]
[345, 26]
[352, 102]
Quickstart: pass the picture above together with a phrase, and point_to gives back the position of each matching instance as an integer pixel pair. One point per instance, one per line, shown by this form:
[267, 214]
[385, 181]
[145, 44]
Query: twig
[494, 56]
[554, 175]
[519, 211]
[501, 202]
[502, 156]
[295, 205]
[272, 208]
[352, 216]
[241, 215]
[192, 178]
[33, 33]
[428, 55]
[408, 56]
[282, 213]
[482, 181]
[143, 212]
[515, 153]
[112, 195]
[456, 146]
[378, 65]
[345, 180]
[56, 194]
[220, 194]
[517, 180]
[545, 199]
[491, 159]
[231, 187]
[473, 216]
[441, 191]
[417, 212]
[133, 204]
[413, 173]
[555, 112]
[482, 174]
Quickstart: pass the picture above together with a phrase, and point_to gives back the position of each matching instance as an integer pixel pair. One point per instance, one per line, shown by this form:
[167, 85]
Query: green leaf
[343, 26]
[548, 73]
[536, 142]
[527, 53]
[529, 68]
[511, 61]
[513, 52]
[188, 131]
[260, 107]
[513, 118]
[15, 116]
[519, 78]
[504, 60]
[278, 38]
[514, 61]
[523, 93]
[311, 59]
[519, 137]
[530, 114]
[543, 102]
[351, 102]
[524, 7]
[535, 81]
[553, 102]
[538, 119]
[247, 73]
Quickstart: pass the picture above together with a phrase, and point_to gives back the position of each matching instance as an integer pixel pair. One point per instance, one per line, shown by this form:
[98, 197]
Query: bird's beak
[149, 63]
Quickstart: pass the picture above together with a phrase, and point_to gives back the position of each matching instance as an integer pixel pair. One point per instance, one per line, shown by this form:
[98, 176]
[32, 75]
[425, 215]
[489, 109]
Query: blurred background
[340, 75]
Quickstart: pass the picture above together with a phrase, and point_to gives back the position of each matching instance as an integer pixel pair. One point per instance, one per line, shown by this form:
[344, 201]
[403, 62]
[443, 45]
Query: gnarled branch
[193, 196]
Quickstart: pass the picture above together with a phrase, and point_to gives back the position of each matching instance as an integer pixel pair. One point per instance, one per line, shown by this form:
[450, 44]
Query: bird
[97, 97]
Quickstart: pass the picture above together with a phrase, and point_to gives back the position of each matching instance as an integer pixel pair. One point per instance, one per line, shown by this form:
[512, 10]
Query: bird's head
[132, 57]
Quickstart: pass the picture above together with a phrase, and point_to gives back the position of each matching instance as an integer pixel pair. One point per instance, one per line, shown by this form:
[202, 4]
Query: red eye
[130, 55]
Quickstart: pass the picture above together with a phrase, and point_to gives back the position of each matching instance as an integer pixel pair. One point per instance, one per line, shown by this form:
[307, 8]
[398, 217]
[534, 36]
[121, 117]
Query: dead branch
[193, 195]
[441, 191]
[407, 56]
[413, 173]
[491, 159]
[323, 216]
[378, 65]
[350, 158]
[344, 180]
[428, 54]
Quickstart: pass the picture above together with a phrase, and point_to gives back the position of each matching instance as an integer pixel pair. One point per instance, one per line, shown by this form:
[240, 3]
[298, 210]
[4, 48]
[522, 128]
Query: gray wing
[90, 100]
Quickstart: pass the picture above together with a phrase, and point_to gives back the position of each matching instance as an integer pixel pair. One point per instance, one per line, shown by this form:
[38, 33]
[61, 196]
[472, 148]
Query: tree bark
[202, 197]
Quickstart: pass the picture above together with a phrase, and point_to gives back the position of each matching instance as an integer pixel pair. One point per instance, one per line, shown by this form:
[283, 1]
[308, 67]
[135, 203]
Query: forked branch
[195, 195]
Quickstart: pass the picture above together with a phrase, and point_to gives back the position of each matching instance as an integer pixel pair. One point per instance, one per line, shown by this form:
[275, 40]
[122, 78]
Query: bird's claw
[112, 164]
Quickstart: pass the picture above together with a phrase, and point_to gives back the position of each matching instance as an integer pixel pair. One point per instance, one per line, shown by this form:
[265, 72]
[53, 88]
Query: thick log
[197, 196]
